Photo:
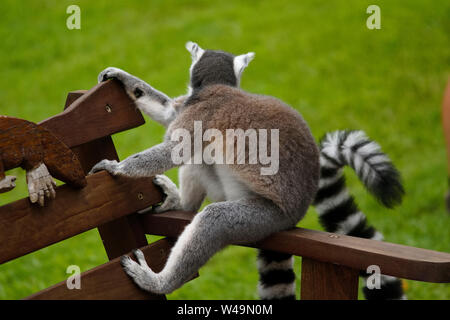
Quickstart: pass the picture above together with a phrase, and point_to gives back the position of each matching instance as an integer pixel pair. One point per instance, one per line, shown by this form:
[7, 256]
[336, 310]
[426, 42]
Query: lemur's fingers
[142, 275]
[134, 87]
[108, 165]
[140, 257]
[172, 197]
[130, 266]
[110, 73]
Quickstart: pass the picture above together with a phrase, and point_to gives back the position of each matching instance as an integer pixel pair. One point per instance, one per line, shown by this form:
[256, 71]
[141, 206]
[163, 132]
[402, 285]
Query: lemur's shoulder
[221, 106]
[219, 95]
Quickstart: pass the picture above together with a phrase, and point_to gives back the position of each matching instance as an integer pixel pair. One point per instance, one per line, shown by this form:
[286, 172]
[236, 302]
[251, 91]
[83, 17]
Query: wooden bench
[330, 263]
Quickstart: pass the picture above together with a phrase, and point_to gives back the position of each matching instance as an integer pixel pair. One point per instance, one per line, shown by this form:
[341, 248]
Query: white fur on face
[241, 62]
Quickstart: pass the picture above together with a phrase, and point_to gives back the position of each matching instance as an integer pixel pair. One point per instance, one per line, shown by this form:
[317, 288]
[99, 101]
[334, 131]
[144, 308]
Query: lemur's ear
[241, 62]
[195, 50]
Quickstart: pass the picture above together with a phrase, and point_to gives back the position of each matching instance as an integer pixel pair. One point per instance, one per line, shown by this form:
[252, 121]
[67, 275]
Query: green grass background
[317, 56]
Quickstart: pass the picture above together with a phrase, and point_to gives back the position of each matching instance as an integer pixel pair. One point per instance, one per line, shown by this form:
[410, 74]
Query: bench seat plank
[356, 253]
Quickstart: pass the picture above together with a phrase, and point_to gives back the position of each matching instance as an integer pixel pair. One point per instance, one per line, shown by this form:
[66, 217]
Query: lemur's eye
[138, 93]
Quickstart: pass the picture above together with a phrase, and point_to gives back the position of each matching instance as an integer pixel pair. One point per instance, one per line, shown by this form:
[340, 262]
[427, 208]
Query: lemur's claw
[108, 165]
[123, 260]
[109, 73]
[138, 253]
[133, 86]
[131, 267]
[171, 199]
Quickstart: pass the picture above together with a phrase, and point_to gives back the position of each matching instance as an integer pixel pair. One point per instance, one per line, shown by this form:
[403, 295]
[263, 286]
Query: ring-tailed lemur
[337, 209]
[249, 205]
[277, 278]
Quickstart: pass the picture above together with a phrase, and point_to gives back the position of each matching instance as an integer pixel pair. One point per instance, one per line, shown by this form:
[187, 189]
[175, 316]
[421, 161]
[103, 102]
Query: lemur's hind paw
[171, 200]
[132, 268]
[140, 272]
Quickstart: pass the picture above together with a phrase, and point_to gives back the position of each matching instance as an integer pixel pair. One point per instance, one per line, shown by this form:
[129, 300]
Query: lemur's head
[215, 67]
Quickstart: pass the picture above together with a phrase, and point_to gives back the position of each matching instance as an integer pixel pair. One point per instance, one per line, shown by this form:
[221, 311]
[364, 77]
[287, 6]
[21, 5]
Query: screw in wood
[140, 196]
[108, 108]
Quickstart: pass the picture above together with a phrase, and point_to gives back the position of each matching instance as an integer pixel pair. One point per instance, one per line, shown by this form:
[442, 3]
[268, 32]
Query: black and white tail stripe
[372, 166]
[337, 209]
[276, 276]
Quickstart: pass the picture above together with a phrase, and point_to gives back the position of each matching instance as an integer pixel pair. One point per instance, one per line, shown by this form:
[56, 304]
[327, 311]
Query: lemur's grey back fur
[217, 102]
[222, 107]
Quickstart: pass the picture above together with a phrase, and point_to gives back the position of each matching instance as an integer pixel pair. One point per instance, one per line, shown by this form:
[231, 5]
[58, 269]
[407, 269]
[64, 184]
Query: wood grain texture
[72, 96]
[100, 112]
[25, 228]
[356, 253]
[27, 145]
[119, 236]
[109, 281]
[327, 281]
[90, 153]
[131, 235]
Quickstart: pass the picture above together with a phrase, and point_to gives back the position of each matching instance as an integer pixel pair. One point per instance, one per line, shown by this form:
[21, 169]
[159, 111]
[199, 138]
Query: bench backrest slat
[100, 112]
[25, 227]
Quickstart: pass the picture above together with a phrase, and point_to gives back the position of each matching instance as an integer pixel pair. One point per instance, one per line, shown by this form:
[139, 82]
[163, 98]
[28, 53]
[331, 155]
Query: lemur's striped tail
[338, 211]
[276, 276]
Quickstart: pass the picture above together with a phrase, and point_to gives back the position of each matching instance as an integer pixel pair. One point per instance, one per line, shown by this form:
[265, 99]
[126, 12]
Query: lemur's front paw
[110, 73]
[140, 272]
[109, 165]
[133, 86]
[172, 197]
